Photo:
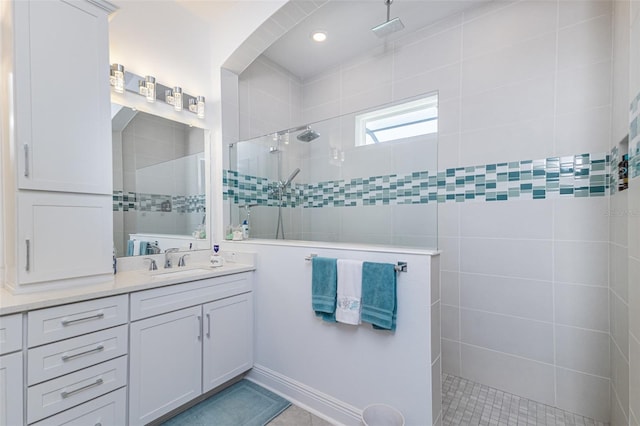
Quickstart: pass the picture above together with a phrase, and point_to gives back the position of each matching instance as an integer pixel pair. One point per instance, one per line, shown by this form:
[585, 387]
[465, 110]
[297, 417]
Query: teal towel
[324, 285]
[144, 247]
[130, 248]
[379, 296]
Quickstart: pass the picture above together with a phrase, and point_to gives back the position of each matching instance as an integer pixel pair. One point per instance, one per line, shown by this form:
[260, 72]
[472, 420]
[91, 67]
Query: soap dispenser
[216, 260]
[245, 230]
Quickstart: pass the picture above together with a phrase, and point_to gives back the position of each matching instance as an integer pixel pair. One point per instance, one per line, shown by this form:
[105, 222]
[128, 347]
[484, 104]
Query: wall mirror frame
[161, 183]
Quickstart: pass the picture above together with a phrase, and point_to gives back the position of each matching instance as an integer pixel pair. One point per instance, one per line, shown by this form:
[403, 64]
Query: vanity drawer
[166, 299]
[63, 322]
[107, 410]
[10, 333]
[56, 359]
[65, 392]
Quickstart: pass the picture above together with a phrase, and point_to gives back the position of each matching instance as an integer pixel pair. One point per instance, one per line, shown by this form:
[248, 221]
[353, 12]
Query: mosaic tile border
[581, 175]
[634, 137]
[158, 202]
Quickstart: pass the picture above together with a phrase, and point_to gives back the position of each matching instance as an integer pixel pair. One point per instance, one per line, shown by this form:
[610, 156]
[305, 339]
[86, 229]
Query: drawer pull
[98, 348]
[27, 265]
[92, 317]
[199, 327]
[75, 391]
[26, 160]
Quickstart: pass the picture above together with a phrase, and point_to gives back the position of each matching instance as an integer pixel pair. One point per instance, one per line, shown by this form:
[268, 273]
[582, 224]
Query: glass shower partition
[369, 177]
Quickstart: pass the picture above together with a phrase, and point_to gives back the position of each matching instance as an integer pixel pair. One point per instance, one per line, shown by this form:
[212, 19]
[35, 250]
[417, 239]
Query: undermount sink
[179, 273]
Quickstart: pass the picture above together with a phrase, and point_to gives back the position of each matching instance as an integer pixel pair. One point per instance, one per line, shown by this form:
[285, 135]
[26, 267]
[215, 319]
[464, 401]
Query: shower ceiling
[348, 26]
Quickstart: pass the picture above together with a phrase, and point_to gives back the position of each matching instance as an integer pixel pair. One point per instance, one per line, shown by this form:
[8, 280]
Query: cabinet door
[63, 236]
[165, 355]
[228, 339]
[11, 390]
[62, 96]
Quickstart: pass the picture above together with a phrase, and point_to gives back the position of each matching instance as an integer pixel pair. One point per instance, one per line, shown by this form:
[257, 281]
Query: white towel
[136, 247]
[349, 291]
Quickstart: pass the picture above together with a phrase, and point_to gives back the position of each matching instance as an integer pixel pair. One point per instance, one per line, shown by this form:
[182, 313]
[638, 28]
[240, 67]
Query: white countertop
[121, 283]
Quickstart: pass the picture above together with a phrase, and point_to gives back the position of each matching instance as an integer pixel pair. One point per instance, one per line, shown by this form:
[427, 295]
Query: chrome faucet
[181, 261]
[167, 257]
[152, 265]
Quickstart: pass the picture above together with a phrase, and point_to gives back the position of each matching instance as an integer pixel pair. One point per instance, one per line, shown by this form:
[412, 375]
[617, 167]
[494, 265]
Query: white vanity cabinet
[11, 386]
[186, 339]
[77, 354]
[61, 98]
[56, 140]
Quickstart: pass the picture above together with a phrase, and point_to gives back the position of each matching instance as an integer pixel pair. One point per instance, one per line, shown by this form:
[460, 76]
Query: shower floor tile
[466, 403]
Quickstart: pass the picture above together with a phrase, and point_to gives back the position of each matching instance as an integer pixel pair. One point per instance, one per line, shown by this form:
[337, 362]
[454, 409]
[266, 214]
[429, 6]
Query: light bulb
[117, 78]
[200, 106]
[177, 98]
[150, 88]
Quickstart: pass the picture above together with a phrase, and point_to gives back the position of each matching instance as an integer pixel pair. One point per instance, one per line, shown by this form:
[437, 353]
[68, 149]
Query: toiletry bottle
[115, 261]
[245, 230]
[216, 259]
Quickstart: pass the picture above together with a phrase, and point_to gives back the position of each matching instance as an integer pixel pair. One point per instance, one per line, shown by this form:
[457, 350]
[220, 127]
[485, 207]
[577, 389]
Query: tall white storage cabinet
[56, 140]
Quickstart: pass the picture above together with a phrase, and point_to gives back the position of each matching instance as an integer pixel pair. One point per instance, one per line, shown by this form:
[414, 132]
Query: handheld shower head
[291, 177]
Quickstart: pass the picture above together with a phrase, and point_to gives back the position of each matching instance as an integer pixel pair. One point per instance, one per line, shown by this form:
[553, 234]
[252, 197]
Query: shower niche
[362, 177]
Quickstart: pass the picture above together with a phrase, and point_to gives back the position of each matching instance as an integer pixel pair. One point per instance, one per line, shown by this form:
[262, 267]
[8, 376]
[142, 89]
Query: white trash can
[381, 415]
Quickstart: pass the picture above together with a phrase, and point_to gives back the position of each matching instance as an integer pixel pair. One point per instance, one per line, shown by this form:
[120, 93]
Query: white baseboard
[325, 406]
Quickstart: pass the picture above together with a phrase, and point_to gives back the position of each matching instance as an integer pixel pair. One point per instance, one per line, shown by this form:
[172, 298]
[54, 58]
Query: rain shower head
[390, 25]
[308, 135]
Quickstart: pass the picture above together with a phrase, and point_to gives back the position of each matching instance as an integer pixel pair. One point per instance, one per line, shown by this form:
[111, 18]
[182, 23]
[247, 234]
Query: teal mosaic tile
[579, 175]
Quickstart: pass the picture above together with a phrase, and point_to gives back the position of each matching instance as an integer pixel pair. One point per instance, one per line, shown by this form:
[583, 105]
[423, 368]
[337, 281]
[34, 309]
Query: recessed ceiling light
[319, 36]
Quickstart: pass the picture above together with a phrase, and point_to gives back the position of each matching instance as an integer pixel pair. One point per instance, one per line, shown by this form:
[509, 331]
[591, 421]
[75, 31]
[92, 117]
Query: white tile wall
[572, 12]
[582, 306]
[507, 334]
[582, 350]
[503, 295]
[583, 393]
[581, 262]
[450, 287]
[572, 136]
[585, 43]
[507, 257]
[518, 375]
[513, 220]
[619, 383]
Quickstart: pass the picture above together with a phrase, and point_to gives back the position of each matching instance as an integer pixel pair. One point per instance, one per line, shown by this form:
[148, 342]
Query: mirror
[159, 184]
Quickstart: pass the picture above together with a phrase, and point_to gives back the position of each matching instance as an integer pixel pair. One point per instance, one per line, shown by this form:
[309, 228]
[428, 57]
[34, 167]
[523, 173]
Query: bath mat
[242, 404]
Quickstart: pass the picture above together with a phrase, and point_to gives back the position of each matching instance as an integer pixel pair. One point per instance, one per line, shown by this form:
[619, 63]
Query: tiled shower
[537, 260]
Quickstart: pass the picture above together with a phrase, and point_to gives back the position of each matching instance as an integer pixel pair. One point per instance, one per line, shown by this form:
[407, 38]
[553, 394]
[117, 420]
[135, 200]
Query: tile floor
[465, 403]
[296, 416]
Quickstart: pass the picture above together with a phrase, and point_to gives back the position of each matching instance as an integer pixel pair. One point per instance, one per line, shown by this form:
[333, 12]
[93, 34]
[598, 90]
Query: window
[406, 120]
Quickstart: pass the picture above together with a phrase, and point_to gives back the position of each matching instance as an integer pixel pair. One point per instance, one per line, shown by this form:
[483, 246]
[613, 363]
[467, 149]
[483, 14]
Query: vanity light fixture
[196, 105]
[117, 78]
[177, 98]
[319, 36]
[153, 90]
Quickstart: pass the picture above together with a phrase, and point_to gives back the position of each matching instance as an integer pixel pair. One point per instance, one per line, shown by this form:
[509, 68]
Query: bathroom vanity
[151, 341]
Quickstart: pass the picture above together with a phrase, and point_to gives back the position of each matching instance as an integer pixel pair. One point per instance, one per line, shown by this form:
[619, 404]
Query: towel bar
[399, 267]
